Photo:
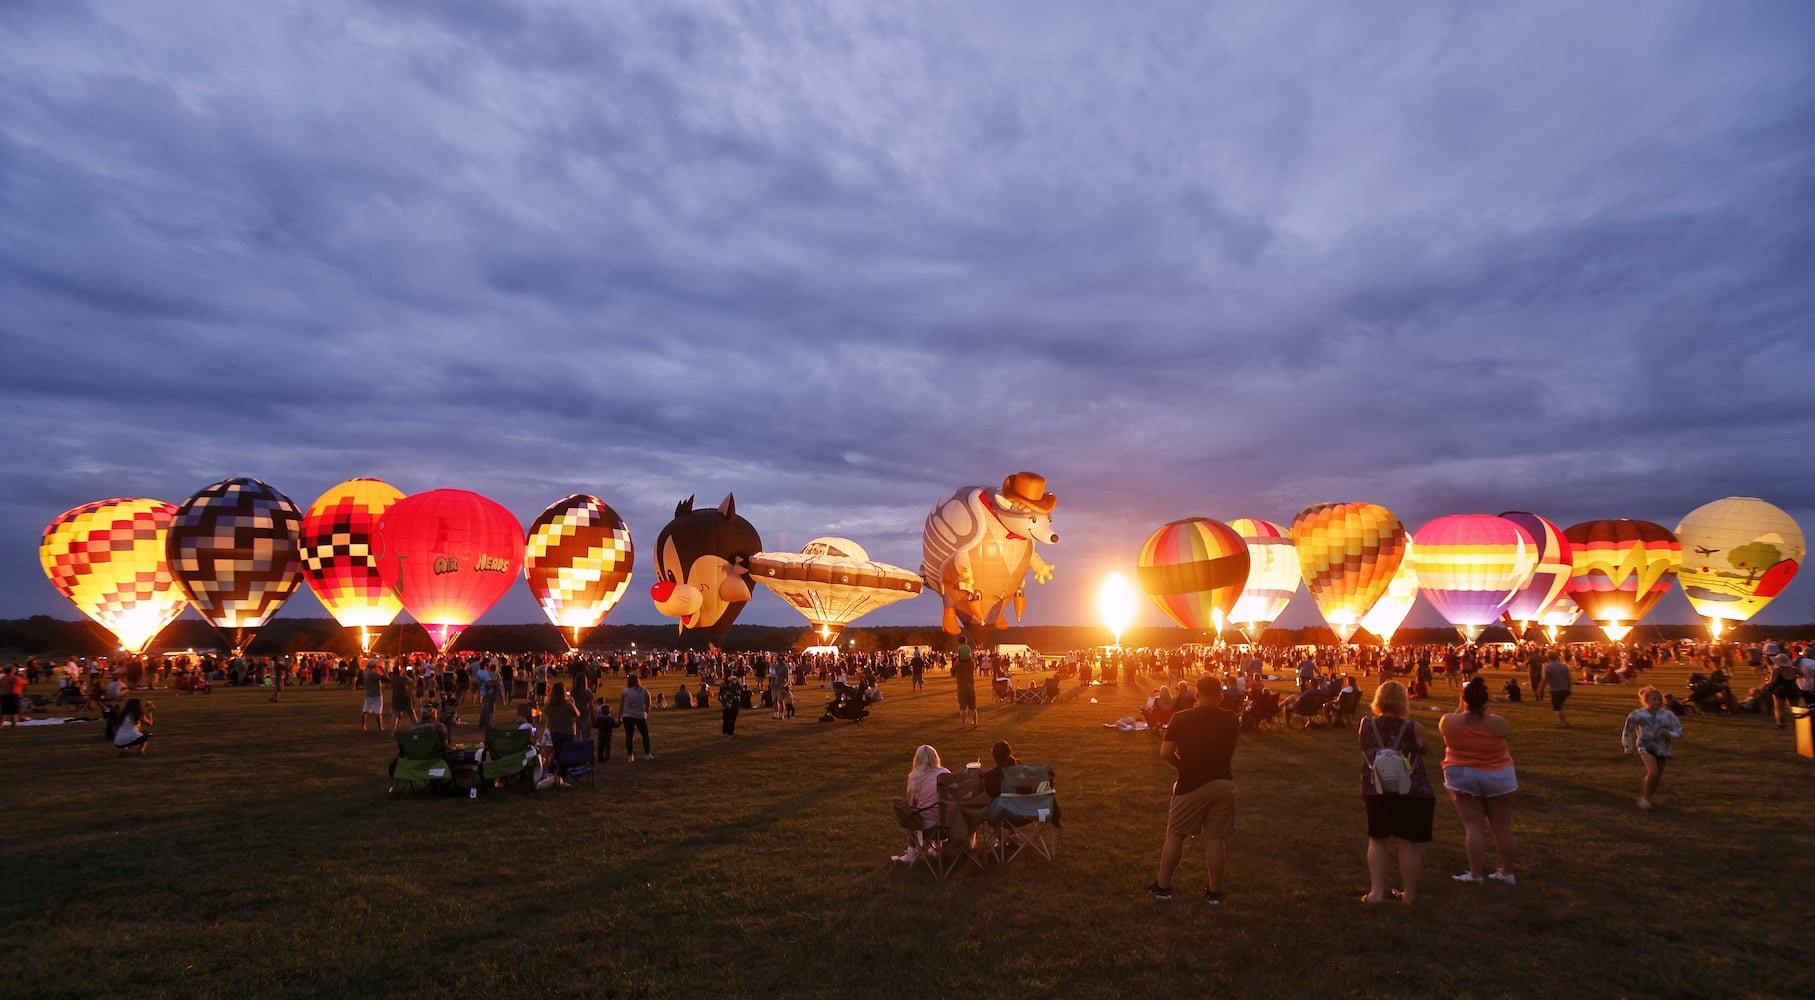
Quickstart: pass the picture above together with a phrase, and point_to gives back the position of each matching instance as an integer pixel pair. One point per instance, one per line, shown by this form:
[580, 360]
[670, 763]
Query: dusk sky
[1180, 258]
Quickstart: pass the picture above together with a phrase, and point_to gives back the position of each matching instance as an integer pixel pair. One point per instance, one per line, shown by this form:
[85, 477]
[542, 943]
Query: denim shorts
[1485, 784]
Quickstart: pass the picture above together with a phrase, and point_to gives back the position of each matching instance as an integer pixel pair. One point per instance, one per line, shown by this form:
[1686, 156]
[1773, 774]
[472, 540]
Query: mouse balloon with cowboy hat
[979, 545]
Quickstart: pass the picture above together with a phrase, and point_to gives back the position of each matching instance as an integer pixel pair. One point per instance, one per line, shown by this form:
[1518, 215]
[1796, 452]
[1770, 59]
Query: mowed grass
[255, 852]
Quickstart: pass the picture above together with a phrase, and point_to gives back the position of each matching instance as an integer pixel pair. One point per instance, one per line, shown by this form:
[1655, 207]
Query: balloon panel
[1349, 553]
[235, 549]
[1193, 569]
[1470, 565]
[1388, 613]
[1622, 568]
[578, 560]
[1273, 573]
[1551, 577]
[449, 555]
[1738, 554]
[108, 558]
[339, 552]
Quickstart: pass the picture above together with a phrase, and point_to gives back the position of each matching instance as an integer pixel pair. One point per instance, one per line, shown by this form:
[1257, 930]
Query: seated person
[1185, 698]
[683, 698]
[431, 724]
[1675, 705]
[1511, 687]
[1004, 756]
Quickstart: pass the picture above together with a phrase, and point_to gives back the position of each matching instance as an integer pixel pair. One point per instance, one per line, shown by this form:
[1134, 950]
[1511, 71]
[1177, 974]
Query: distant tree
[1754, 558]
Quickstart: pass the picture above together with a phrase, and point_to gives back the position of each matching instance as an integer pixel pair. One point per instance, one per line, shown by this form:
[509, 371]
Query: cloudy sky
[1181, 258]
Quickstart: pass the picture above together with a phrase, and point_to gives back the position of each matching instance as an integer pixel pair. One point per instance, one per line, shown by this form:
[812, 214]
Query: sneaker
[1644, 803]
[633, 758]
[648, 756]
[907, 857]
[1508, 877]
[1158, 891]
[1213, 897]
[1468, 878]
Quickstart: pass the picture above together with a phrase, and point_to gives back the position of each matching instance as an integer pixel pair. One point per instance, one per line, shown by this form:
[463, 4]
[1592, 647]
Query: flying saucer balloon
[1348, 553]
[448, 555]
[1388, 613]
[578, 563]
[1273, 575]
[832, 582]
[340, 553]
[107, 557]
[1194, 569]
[1622, 569]
[1548, 581]
[235, 550]
[1470, 566]
[1738, 554]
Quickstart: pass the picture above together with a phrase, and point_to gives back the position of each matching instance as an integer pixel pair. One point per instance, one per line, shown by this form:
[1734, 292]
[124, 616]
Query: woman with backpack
[1478, 771]
[1396, 792]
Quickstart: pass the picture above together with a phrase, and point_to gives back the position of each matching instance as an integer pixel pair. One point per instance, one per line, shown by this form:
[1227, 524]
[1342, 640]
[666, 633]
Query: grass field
[255, 853]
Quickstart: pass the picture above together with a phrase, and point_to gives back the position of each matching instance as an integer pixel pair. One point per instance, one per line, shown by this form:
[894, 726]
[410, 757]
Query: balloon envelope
[449, 555]
[1550, 578]
[1470, 566]
[1194, 569]
[108, 558]
[1348, 553]
[1738, 554]
[340, 552]
[832, 582]
[578, 562]
[1388, 613]
[235, 549]
[1621, 570]
[1273, 573]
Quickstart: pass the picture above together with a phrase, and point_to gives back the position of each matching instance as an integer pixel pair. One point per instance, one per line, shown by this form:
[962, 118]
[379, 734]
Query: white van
[1005, 654]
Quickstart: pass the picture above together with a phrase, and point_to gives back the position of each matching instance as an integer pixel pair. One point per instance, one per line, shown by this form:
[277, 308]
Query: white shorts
[1484, 784]
[373, 705]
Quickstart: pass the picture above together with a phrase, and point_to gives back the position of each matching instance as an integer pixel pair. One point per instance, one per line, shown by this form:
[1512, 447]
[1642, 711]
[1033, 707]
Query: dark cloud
[1183, 260]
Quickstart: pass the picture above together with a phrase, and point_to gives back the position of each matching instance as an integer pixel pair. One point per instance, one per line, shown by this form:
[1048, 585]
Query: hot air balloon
[1548, 581]
[1194, 569]
[833, 582]
[1738, 554]
[578, 563]
[1561, 614]
[1273, 575]
[1348, 553]
[978, 545]
[340, 554]
[1470, 566]
[1622, 569]
[1388, 613]
[108, 558]
[702, 565]
[234, 548]
[448, 555]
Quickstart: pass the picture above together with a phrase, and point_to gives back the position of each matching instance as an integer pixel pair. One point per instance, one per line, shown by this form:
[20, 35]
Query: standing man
[964, 671]
[1556, 679]
[1200, 744]
[12, 686]
[633, 712]
[402, 697]
[486, 680]
[919, 667]
[372, 680]
[730, 699]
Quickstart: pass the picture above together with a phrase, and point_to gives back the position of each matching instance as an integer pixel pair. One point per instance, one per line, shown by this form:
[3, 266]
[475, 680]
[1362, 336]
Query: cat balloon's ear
[728, 507]
[684, 507]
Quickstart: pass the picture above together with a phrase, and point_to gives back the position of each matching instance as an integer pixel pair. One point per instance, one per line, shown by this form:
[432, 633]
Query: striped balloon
[1388, 613]
[1194, 570]
[1348, 553]
[1622, 569]
[1550, 579]
[1471, 565]
[1272, 574]
[108, 558]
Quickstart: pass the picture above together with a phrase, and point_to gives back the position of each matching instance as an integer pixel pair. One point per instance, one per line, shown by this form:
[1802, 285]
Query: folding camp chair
[1031, 694]
[929, 842]
[1343, 709]
[418, 765]
[1004, 689]
[510, 753]
[963, 813]
[1026, 814]
[573, 761]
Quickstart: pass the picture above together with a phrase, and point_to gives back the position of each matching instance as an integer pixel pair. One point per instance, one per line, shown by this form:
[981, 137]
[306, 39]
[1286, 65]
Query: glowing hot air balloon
[235, 549]
[1388, 613]
[1548, 581]
[1622, 569]
[340, 554]
[1738, 554]
[449, 555]
[1348, 553]
[107, 557]
[1471, 565]
[1561, 614]
[1194, 569]
[832, 582]
[578, 563]
[1273, 575]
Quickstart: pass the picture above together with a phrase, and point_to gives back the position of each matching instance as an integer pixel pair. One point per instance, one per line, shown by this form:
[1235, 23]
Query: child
[1650, 731]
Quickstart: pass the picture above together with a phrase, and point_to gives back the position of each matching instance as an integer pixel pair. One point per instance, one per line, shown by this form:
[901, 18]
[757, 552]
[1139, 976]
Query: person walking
[372, 681]
[1478, 771]
[1557, 681]
[1649, 731]
[1398, 822]
[633, 713]
[1783, 686]
[1200, 745]
[964, 672]
[730, 699]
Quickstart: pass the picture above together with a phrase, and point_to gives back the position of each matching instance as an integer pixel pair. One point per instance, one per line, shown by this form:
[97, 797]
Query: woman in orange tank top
[1478, 771]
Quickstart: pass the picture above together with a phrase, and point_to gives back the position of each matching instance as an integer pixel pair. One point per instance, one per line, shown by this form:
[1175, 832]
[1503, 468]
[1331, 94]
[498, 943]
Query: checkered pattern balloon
[578, 561]
[107, 557]
[1348, 553]
[1194, 570]
[339, 552]
[234, 549]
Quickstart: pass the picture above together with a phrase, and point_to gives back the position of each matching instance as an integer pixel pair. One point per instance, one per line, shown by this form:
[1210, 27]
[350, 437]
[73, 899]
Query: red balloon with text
[449, 555]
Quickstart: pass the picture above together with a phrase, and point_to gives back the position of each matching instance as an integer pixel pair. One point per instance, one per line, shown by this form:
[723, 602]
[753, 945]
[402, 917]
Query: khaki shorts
[1207, 811]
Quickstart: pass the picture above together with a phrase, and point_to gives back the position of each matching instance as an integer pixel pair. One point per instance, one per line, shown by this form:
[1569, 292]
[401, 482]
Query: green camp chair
[1026, 814]
[510, 753]
[418, 765]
